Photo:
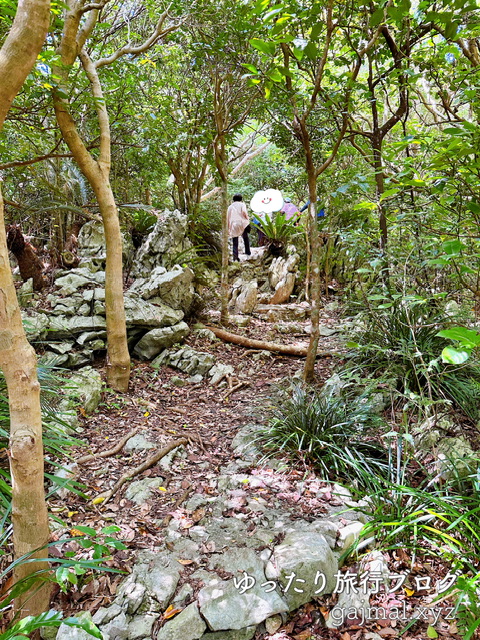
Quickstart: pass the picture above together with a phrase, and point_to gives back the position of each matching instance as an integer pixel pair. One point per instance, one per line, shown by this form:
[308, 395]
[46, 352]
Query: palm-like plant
[279, 231]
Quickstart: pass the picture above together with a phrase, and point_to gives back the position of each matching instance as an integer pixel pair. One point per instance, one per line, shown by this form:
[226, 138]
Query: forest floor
[208, 417]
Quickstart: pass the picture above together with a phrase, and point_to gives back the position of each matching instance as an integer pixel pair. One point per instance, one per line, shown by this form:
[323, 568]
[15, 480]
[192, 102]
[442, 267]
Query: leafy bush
[279, 230]
[331, 432]
[400, 342]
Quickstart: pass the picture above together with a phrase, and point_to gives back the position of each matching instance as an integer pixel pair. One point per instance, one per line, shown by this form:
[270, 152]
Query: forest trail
[163, 407]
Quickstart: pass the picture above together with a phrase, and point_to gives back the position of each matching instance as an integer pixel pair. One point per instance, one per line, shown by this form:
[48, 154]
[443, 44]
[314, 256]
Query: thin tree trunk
[315, 293]
[29, 512]
[224, 276]
[17, 358]
[118, 357]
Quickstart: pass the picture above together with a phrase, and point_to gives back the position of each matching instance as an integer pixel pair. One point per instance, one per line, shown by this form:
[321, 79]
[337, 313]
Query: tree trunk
[224, 276]
[29, 263]
[316, 254]
[17, 358]
[118, 358]
[380, 188]
[29, 512]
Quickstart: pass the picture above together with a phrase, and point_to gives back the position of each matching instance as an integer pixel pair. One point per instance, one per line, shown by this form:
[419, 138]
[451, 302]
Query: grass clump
[400, 342]
[334, 433]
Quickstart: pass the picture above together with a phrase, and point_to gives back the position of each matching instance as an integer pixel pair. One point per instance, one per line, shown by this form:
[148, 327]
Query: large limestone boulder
[65, 327]
[245, 296]
[306, 555]
[85, 387]
[281, 275]
[174, 287]
[92, 245]
[158, 339]
[187, 625]
[225, 605]
[163, 245]
[35, 325]
[186, 359]
[140, 313]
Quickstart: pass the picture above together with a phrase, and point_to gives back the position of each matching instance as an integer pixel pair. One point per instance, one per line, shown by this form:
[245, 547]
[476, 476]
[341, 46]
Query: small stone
[219, 371]
[141, 490]
[178, 382]
[236, 634]
[139, 443]
[187, 625]
[350, 534]
[273, 624]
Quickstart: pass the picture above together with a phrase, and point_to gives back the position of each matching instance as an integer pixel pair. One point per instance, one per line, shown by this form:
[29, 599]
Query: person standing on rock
[238, 224]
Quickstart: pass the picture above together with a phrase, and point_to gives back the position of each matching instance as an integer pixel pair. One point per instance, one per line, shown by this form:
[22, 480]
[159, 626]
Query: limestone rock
[224, 606]
[62, 327]
[219, 371]
[92, 246]
[237, 634]
[139, 443]
[66, 632]
[282, 313]
[35, 325]
[456, 458]
[283, 290]
[303, 554]
[140, 491]
[174, 287]
[159, 573]
[162, 246]
[71, 283]
[25, 293]
[140, 313]
[186, 359]
[158, 339]
[85, 386]
[247, 298]
[349, 602]
[187, 625]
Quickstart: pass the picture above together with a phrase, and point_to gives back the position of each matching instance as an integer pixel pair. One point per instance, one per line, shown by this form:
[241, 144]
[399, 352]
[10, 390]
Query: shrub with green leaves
[334, 433]
[403, 339]
[279, 230]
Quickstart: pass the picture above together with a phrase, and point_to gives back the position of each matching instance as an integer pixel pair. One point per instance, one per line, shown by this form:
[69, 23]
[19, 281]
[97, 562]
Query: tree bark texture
[97, 173]
[316, 286]
[29, 263]
[17, 358]
[19, 365]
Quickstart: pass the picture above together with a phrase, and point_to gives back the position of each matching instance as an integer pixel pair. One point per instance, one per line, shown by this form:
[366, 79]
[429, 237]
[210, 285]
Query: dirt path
[162, 412]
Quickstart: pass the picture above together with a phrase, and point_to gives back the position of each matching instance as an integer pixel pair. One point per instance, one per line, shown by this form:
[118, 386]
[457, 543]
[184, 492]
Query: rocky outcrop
[245, 576]
[163, 246]
[92, 246]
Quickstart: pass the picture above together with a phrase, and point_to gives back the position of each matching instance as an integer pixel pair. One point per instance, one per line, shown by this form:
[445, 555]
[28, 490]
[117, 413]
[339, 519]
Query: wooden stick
[110, 452]
[286, 349]
[106, 495]
[233, 389]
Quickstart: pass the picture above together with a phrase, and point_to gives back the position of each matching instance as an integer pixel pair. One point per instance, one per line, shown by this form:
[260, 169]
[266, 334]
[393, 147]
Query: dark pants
[246, 242]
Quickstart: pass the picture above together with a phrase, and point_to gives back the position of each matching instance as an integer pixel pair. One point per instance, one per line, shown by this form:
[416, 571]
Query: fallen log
[286, 349]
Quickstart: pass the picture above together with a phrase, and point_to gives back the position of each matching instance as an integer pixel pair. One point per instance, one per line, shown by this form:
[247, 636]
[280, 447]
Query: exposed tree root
[110, 452]
[286, 349]
[106, 495]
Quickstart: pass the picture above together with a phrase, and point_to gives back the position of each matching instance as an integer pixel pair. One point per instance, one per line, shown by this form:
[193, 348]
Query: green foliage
[50, 619]
[401, 341]
[331, 432]
[279, 230]
[72, 571]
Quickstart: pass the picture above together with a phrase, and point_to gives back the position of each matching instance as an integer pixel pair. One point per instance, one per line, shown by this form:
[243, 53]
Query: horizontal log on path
[286, 349]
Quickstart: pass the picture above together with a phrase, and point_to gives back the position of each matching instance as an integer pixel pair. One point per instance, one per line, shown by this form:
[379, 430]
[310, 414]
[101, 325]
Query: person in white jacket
[238, 224]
